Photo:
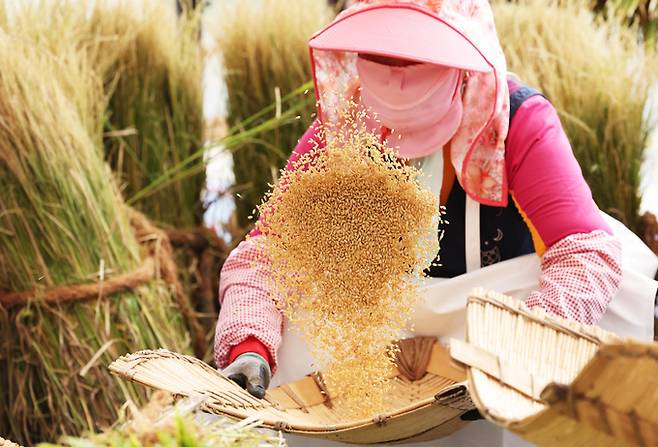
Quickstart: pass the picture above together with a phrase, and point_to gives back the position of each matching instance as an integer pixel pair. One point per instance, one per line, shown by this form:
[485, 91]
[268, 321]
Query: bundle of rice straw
[349, 231]
[264, 48]
[158, 95]
[63, 223]
[151, 114]
[600, 88]
[160, 424]
[151, 64]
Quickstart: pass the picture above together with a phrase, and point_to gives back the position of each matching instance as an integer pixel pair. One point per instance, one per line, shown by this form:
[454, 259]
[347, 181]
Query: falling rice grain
[348, 231]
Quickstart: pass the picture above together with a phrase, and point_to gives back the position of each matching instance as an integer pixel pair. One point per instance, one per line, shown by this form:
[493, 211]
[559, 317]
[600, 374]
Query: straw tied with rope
[157, 265]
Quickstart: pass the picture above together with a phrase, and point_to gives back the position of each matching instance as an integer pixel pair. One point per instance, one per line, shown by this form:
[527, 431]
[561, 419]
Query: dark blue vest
[503, 233]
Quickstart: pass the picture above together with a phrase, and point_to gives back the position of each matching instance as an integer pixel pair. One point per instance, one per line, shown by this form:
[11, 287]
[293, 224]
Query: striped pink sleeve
[246, 307]
[579, 276]
[581, 259]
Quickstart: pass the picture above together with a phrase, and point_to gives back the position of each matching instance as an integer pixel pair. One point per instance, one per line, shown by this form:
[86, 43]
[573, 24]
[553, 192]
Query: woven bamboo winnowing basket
[429, 396]
[558, 383]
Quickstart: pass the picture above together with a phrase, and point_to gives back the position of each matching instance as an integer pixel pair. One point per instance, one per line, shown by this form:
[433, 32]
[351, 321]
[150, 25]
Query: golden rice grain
[348, 232]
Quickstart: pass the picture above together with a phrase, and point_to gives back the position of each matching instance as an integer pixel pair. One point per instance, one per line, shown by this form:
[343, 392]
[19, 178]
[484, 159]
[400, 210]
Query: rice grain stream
[348, 231]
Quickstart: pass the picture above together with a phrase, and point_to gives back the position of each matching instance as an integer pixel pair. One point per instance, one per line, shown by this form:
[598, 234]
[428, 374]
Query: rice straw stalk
[265, 55]
[63, 222]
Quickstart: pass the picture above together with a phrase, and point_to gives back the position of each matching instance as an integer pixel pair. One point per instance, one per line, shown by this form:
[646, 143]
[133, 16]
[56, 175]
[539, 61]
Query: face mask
[421, 103]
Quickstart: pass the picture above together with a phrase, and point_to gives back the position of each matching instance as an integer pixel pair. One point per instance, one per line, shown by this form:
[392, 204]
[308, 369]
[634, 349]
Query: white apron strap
[472, 235]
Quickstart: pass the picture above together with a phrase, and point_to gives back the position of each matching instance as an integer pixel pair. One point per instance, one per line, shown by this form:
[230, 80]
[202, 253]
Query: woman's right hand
[252, 372]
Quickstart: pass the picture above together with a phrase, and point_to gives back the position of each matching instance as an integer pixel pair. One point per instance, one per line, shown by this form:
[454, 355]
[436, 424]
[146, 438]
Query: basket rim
[496, 418]
[124, 367]
[483, 297]
[593, 334]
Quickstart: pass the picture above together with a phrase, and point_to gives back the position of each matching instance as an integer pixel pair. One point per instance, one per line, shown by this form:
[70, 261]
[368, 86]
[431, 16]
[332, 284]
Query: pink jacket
[581, 260]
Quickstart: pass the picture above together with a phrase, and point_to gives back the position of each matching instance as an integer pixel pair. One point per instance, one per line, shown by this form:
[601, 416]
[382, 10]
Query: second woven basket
[555, 382]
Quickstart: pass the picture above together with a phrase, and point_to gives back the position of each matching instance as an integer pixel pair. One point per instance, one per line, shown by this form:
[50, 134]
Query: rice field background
[650, 165]
[221, 177]
[603, 107]
[217, 107]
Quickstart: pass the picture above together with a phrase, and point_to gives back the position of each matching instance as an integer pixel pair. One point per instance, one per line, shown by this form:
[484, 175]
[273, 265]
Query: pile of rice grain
[349, 231]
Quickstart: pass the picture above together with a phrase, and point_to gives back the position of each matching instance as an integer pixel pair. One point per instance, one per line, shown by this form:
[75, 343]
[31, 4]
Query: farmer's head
[420, 100]
[432, 71]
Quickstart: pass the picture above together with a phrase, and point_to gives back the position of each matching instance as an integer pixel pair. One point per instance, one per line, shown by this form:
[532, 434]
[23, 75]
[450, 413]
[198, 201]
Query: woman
[500, 163]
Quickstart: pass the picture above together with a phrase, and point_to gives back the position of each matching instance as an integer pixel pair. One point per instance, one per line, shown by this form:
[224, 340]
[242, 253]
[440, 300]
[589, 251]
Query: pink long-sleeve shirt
[581, 259]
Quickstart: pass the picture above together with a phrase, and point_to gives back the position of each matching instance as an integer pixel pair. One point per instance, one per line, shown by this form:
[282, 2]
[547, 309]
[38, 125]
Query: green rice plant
[181, 432]
[62, 223]
[264, 48]
[172, 427]
[243, 134]
[151, 64]
[598, 77]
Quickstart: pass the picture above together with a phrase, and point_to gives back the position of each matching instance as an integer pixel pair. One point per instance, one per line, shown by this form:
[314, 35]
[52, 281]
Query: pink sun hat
[404, 31]
[453, 33]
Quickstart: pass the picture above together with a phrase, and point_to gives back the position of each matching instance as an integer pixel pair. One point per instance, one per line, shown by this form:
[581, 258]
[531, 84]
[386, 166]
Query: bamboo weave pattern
[559, 383]
[423, 409]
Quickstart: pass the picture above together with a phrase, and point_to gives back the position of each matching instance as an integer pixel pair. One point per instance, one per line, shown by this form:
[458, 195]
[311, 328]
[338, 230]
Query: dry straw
[62, 222]
[151, 64]
[265, 52]
[598, 77]
[6, 443]
[348, 231]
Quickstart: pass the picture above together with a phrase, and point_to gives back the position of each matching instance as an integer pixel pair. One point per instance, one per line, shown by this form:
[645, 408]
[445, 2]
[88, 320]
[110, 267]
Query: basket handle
[509, 374]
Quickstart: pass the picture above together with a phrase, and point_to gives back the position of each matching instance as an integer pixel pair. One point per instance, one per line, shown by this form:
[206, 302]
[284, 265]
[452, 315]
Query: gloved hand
[471, 415]
[250, 371]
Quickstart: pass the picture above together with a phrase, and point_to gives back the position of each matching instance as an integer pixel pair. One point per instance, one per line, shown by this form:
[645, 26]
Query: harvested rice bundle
[349, 231]
[264, 48]
[155, 112]
[67, 30]
[159, 425]
[149, 100]
[63, 224]
[151, 65]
